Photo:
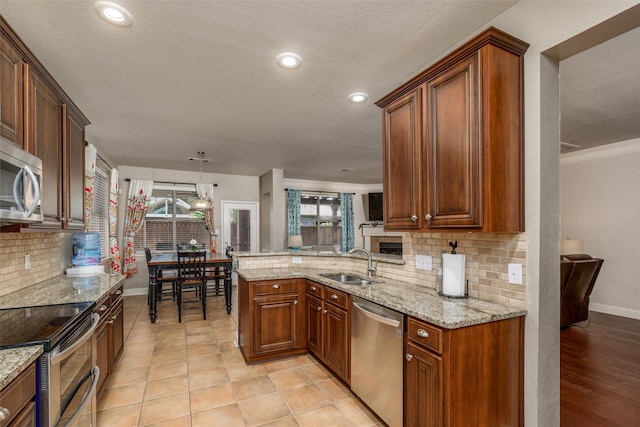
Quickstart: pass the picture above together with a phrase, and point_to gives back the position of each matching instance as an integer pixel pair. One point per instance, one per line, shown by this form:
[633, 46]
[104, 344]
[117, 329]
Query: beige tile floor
[191, 374]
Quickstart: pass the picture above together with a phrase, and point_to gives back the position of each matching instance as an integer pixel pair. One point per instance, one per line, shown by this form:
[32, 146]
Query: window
[169, 220]
[320, 219]
[99, 222]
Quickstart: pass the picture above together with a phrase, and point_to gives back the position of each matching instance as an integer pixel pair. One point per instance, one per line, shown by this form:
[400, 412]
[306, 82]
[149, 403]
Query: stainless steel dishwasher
[377, 358]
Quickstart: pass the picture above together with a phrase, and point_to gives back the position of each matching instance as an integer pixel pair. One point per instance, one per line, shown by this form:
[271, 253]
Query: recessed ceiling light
[289, 60]
[358, 97]
[113, 13]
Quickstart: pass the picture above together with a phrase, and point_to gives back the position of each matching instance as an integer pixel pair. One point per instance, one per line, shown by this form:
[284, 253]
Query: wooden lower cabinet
[329, 327]
[270, 319]
[465, 376]
[109, 334]
[17, 400]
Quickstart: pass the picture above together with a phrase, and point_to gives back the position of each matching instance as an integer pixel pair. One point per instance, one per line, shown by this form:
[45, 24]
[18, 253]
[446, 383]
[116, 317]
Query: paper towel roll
[453, 275]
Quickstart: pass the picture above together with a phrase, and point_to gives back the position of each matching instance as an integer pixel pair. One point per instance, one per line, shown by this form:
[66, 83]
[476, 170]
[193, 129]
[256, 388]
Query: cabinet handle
[422, 333]
[409, 357]
[428, 218]
[103, 307]
[295, 302]
[319, 308]
[325, 312]
[313, 288]
[4, 413]
[276, 286]
[110, 322]
[118, 292]
[334, 296]
[414, 218]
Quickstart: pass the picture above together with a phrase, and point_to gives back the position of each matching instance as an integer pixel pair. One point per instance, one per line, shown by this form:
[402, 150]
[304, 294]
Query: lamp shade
[294, 241]
[571, 246]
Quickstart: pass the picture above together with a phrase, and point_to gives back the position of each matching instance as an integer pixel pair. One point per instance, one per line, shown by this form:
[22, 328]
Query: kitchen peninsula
[463, 358]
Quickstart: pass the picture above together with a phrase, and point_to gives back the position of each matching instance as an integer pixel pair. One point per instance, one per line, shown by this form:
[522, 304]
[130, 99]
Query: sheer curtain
[90, 155]
[348, 232]
[206, 192]
[114, 250]
[137, 206]
[294, 198]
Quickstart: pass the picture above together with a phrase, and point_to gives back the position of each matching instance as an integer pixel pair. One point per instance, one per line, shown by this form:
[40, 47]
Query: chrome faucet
[371, 268]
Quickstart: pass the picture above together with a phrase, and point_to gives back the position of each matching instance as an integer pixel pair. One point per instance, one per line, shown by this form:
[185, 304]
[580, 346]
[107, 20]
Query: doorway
[240, 225]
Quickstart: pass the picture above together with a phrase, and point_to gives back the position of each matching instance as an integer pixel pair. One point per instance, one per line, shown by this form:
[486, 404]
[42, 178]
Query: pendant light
[200, 204]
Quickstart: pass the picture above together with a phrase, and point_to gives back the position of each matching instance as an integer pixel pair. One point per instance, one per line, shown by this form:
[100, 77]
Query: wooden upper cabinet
[452, 180]
[74, 169]
[401, 162]
[11, 93]
[464, 157]
[44, 140]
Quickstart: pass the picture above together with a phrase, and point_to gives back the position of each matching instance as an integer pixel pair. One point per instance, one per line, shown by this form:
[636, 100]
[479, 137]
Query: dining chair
[192, 280]
[166, 276]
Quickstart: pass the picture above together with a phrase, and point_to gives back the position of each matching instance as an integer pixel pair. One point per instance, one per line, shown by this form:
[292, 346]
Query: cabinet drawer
[316, 289]
[116, 295]
[337, 298]
[103, 305]
[427, 335]
[275, 287]
[19, 392]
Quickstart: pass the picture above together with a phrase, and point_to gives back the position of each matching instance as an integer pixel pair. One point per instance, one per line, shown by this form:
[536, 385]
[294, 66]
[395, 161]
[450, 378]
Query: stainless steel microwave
[20, 184]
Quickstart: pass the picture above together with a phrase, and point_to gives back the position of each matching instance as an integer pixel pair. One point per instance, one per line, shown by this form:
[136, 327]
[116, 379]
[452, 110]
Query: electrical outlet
[296, 260]
[515, 274]
[423, 262]
[27, 262]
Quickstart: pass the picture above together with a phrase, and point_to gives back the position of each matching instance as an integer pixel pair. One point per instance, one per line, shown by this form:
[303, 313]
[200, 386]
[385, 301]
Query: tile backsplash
[45, 253]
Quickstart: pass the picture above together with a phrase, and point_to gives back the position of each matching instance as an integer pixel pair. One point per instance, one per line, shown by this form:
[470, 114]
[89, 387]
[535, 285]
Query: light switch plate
[296, 260]
[515, 274]
[27, 262]
[423, 262]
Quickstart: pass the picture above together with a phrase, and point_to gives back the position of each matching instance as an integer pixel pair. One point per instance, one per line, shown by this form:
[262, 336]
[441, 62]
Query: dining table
[169, 261]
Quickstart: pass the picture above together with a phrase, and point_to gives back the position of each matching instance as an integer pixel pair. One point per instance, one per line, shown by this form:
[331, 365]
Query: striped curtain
[137, 206]
[294, 199]
[348, 230]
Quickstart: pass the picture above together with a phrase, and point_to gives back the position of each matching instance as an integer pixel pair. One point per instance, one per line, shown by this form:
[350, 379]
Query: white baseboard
[134, 291]
[616, 311]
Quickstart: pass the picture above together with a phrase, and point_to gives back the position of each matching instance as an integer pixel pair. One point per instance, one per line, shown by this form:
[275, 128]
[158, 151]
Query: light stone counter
[390, 259]
[418, 301]
[15, 360]
[58, 290]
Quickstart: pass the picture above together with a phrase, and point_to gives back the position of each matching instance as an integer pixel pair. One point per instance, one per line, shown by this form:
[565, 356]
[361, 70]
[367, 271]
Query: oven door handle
[95, 371]
[58, 356]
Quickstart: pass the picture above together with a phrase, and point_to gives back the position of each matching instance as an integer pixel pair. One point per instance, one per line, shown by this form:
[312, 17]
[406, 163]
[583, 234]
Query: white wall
[600, 204]
[230, 187]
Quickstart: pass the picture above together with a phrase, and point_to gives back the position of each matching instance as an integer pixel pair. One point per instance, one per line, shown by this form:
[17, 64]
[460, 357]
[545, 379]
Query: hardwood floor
[600, 373]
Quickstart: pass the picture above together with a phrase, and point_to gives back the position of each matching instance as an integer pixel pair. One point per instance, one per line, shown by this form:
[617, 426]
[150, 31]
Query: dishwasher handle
[378, 318]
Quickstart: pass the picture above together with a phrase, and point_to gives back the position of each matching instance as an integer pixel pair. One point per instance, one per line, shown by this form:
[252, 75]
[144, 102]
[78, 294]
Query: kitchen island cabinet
[474, 373]
[270, 319]
[453, 141]
[329, 327]
[109, 334]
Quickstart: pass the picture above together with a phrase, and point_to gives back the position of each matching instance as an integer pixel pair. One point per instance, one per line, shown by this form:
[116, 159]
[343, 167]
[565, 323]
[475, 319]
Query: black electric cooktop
[45, 324]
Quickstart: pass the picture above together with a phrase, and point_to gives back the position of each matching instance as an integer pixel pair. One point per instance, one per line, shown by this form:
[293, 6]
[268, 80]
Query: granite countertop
[15, 360]
[58, 290]
[417, 301]
[390, 259]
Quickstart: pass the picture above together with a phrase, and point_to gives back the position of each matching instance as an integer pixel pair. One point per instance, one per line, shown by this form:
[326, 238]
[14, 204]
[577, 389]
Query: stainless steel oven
[67, 373]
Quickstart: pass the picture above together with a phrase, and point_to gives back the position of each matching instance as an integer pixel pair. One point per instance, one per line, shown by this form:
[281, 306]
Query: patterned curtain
[206, 192]
[137, 205]
[114, 250]
[90, 155]
[294, 198]
[348, 231]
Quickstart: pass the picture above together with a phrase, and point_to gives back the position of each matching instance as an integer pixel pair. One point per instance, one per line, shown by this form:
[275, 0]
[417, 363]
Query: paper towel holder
[459, 293]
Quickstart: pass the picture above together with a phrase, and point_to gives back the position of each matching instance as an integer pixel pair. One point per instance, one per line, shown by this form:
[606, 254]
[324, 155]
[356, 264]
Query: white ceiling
[192, 76]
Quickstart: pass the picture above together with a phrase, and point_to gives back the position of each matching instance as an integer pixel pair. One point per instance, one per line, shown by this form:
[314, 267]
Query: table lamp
[571, 246]
[294, 242]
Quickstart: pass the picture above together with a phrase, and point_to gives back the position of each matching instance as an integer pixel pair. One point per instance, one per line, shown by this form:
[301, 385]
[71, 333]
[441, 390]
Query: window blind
[99, 222]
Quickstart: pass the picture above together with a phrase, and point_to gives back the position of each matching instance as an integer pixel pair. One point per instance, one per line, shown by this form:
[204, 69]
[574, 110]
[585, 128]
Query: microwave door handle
[35, 189]
[17, 196]
[58, 356]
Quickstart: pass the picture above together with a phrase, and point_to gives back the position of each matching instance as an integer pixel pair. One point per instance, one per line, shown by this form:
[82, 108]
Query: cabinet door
[314, 325]
[73, 170]
[102, 351]
[11, 92]
[336, 340]
[423, 392]
[401, 162]
[453, 156]
[275, 323]
[117, 332]
[44, 140]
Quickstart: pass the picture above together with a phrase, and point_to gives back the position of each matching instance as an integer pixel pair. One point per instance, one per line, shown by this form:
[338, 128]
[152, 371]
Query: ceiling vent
[346, 170]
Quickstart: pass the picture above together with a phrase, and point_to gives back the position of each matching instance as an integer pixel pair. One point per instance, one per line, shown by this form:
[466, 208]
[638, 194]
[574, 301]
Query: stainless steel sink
[348, 279]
